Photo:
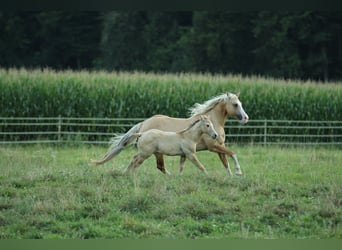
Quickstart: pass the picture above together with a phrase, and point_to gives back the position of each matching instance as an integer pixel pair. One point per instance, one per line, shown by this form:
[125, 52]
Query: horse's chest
[221, 135]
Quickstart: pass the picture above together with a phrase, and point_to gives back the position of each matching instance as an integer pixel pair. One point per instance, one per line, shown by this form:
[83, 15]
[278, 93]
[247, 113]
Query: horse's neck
[218, 114]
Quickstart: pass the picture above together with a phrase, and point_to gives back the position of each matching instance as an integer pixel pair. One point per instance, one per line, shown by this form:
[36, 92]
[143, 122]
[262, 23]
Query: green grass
[52, 192]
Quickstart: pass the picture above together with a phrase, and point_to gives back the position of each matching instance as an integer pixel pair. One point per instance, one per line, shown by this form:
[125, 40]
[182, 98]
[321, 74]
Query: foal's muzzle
[214, 136]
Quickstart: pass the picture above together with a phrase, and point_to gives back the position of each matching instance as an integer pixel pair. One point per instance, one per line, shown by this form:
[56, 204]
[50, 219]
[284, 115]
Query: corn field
[48, 93]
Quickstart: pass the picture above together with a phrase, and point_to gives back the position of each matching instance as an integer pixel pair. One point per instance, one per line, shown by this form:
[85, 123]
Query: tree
[222, 42]
[298, 45]
[56, 39]
[144, 40]
[302, 44]
[122, 43]
[18, 38]
[166, 36]
[69, 39]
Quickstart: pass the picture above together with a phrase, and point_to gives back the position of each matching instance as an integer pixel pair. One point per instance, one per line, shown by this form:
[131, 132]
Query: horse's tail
[119, 142]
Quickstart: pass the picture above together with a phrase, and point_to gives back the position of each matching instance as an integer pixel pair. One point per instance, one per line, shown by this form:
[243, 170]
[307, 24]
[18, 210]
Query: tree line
[302, 44]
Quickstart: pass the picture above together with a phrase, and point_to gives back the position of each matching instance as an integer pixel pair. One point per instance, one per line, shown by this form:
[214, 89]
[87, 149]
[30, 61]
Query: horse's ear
[238, 94]
[228, 95]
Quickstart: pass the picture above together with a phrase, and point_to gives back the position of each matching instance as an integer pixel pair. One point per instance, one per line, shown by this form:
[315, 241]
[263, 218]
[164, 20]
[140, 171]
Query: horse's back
[156, 135]
[165, 123]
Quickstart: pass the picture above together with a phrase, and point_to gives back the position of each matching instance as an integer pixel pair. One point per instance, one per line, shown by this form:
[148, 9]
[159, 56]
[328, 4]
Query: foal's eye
[208, 126]
[235, 105]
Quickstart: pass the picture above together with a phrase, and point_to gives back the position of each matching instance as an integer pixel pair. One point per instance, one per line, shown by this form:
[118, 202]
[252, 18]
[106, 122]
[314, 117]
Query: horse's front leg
[161, 164]
[221, 149]
[225, 162]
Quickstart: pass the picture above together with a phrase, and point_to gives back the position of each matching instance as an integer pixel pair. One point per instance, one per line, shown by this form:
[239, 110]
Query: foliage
[51, 192]
[300, 44]
[57, 39]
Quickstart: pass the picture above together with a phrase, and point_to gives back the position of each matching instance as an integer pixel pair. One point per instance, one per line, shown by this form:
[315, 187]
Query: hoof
[239, 173]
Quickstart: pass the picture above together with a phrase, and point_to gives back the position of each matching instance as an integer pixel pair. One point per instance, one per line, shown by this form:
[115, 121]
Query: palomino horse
[217, 109]
[183, 143]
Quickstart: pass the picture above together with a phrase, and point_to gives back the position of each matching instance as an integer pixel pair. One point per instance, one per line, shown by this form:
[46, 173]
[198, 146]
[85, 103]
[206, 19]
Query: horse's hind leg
[225, 162]
[160, 163]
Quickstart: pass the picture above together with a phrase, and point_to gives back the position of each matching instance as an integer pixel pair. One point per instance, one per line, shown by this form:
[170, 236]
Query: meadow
[49, 192]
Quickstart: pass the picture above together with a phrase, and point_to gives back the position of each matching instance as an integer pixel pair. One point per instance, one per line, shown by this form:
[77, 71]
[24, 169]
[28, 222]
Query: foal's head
[234, 108]
[207, 126]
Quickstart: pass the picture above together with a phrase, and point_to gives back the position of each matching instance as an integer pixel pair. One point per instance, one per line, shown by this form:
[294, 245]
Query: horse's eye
[235, 105]
[208, 126]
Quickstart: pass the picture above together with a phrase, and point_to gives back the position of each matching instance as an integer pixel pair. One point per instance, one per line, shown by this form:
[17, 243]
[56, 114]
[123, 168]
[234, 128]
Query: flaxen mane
[201, 109]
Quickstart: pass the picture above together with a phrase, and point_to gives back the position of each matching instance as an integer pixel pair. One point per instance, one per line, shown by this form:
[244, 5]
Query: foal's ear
[238, 94]
[204, 118]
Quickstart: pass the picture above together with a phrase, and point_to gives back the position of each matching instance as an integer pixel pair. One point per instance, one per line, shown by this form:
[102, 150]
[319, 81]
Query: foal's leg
[160, 163]
[181, 163]
[137, 160]
[193, 158]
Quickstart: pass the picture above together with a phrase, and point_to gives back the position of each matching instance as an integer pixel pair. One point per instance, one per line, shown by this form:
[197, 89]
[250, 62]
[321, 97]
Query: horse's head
[208, 127]
[234, 108]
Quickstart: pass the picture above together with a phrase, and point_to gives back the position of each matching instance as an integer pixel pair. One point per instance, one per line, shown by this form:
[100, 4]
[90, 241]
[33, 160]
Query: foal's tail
[119, 142]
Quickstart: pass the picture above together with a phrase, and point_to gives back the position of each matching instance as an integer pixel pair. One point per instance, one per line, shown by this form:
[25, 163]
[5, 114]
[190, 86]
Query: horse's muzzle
[243, 119]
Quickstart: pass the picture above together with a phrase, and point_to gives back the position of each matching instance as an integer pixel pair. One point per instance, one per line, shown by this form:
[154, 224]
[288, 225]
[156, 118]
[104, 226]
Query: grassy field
[53, 192]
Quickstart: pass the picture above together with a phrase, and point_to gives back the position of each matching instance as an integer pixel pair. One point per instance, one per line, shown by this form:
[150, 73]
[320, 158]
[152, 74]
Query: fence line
[22, 130]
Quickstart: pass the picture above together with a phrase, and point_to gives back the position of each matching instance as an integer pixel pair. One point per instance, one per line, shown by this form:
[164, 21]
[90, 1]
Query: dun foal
[181, 143]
